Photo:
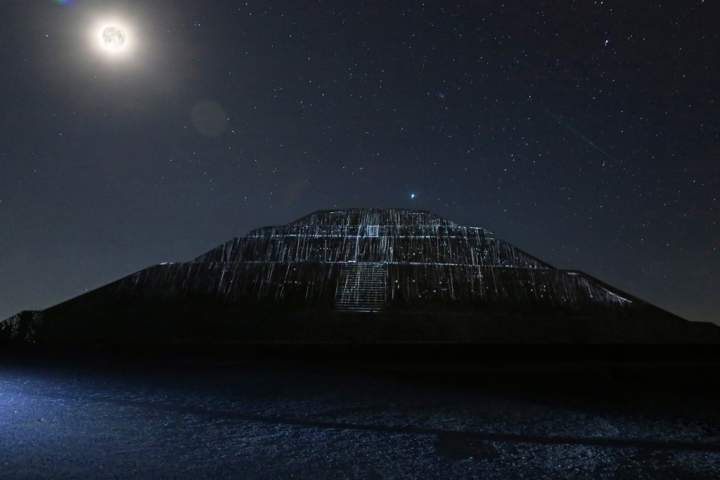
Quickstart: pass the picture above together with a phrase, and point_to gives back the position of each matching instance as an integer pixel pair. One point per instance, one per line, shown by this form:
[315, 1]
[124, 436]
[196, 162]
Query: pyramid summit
[358, 275]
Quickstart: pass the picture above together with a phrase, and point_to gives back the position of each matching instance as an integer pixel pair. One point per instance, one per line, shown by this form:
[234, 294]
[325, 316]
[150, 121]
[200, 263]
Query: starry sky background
[586, 133]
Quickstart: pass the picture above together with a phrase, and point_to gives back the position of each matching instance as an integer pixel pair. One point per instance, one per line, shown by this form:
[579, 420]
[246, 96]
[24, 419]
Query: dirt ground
[251, 420]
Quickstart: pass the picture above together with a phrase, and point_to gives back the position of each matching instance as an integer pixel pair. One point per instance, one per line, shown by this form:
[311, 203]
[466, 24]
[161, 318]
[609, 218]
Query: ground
[263, 420]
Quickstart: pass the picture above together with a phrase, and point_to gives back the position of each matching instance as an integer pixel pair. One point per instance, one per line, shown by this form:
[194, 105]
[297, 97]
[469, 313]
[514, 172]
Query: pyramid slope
[358, 275]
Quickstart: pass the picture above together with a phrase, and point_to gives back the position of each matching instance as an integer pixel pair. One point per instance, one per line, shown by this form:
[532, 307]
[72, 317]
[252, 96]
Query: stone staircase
[361, 288]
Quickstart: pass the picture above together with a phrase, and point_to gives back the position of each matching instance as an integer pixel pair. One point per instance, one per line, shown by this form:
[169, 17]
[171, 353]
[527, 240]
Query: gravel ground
[248, 421]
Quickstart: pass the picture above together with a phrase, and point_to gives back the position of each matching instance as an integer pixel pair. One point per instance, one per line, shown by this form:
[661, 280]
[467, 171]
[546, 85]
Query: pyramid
[352, 276]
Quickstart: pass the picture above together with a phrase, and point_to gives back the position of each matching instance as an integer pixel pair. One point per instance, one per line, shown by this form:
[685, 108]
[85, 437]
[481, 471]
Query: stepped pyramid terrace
[358, 275]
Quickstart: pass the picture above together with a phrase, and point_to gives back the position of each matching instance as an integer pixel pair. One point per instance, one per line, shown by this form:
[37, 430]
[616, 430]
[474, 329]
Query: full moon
[113, 38]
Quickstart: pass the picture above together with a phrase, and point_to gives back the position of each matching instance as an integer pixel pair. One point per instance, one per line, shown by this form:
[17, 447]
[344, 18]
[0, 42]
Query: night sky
[586, 133]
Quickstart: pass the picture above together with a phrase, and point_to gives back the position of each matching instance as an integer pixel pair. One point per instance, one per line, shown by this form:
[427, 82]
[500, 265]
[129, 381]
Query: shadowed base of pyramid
[136, 320]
